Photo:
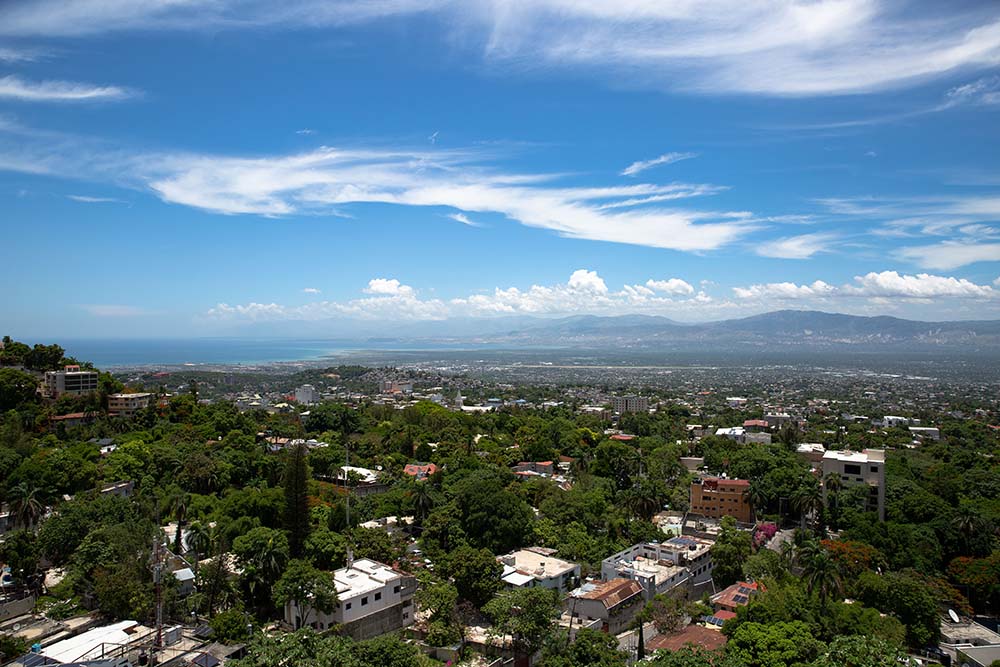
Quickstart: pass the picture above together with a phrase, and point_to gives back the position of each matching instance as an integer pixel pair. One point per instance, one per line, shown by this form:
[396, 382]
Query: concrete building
[306, 395]
[661, 567]
[70, 380]
[811, 452]
[372, 599]
[925, 433]
[631, 403]
[537, 566]
[613, 603]
[717, 497]
[126, 405]
[865, 467]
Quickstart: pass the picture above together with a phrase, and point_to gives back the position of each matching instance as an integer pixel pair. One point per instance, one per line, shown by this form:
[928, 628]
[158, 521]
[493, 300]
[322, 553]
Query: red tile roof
[736, 595]
[695, 635]
[755, 422]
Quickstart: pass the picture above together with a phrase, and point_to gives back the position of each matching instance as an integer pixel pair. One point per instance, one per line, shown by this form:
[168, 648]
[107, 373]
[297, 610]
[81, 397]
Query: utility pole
[156, 564]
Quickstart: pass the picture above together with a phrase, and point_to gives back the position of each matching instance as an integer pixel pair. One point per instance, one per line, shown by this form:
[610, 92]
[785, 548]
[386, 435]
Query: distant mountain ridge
[777, 329]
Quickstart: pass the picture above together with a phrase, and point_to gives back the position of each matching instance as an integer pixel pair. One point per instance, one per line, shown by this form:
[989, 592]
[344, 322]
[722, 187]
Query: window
[852, 469]
[395, 589]
[364, 601]
[874, 468]
[347, 606]
[378, 596]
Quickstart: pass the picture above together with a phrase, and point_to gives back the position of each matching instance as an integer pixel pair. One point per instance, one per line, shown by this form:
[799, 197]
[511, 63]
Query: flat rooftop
[364, 576]
[848, 456]
[536, 564]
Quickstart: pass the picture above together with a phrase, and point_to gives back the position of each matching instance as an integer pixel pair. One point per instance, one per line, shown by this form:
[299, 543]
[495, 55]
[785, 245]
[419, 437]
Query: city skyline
[188, 168]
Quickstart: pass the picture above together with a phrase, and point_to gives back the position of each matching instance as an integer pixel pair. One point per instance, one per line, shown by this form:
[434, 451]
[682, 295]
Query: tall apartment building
[717, 497]
[306, 395]
[70, 380]
[855, 468]
[372, 599]
[630, 403]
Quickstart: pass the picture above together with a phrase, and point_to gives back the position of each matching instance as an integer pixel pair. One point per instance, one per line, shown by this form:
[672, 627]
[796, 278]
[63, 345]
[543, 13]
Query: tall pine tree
[296, 518]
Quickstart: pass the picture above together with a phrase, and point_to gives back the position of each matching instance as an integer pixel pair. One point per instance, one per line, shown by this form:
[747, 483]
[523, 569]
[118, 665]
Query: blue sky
[179, 168]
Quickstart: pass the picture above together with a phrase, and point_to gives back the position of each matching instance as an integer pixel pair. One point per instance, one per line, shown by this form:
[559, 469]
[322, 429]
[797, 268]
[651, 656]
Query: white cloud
[920, 286]
[786, 290]
[305, 131]
[388, 287]
[586, 292]
[883, 285]
[13, 87]
[9, 55]
[983, 92]
[84, 199]
[310, 290]
[796, 247]
[775, 47]
[324, 180]
[587, 281]
[666, 158]
[463, 218]
[671, 286]
[113, 310]
[950, 254]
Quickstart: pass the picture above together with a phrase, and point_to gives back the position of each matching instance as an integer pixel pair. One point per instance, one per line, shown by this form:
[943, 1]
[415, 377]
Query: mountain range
[778, 329]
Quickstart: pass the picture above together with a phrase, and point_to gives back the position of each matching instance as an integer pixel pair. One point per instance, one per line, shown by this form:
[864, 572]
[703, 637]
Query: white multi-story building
[536, 566]
[855, 468]
[372, 599]
[70, 380]
[631, 403]
[661, 567]
[306, 395]
[125, 405]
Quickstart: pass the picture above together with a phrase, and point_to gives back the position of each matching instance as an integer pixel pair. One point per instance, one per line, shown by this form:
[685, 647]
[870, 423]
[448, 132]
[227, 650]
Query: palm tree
[200, 541]
[808, 499]
[178, 507]
[821, 573]
[758, 496]
[967, 521]
[25, 506]
[832, 485]
[422, 499]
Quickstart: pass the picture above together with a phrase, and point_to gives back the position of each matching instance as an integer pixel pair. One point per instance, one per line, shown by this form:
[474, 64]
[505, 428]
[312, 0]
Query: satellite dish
[954, 616]
[17, 627]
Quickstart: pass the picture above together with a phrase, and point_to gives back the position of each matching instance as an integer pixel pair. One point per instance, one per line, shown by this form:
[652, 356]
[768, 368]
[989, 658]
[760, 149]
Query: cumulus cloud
[776, 47]
[671, 286]
[586, 292]
[885, 284]
[13, 87]
[310, 290]
[388, 286]
[666, 158]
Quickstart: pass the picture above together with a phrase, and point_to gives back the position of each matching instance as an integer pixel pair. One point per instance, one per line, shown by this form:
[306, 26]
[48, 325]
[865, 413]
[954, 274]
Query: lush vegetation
[282, 519]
